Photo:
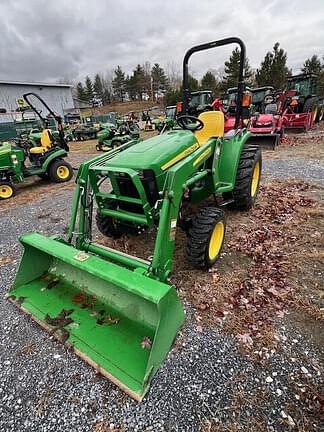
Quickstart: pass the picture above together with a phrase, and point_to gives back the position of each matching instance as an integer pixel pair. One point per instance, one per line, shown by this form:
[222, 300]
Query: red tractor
[227, 104]
[265, 121]
[298, 103]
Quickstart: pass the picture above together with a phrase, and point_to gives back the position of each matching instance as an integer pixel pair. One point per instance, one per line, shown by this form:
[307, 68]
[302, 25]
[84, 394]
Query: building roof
[25, 83]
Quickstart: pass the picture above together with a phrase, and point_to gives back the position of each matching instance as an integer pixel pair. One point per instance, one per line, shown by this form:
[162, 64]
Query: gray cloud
[47, 40]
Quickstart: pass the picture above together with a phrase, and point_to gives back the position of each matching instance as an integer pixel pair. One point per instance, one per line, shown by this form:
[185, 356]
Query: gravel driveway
[311, 170]
[45, 387]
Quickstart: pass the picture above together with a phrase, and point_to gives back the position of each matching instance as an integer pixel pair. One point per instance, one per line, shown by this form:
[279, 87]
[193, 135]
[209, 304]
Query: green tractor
[111, 136]
[167, 121]
[117, 311]
[45, 159]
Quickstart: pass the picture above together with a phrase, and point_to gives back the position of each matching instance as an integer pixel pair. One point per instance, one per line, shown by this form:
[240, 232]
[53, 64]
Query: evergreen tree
[141, 82]
[312, 65]
[106, 97]
[159, 80]
[98, 86]
[232, 71]
[172, 96]
[130, 87]
[193, 84]
[81, 93]
[209, 82]
[273, 69]
[88, 89]
[118, 84]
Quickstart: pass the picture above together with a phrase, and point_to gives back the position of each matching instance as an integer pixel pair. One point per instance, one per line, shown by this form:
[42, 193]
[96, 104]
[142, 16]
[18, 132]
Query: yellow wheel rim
[62, 172]
[255, 179]
[216, 240]
[6, 191]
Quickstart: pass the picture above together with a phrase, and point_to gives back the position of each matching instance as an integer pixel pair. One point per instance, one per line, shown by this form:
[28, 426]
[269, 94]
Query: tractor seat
[213, 126]
[46, 143]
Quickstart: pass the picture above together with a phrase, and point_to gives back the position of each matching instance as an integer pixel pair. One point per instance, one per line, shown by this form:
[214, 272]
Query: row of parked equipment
[265, 112]
[42, 154]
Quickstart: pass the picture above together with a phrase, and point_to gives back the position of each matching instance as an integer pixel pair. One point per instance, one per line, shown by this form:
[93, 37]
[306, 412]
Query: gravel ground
[45, 387]
[298, 168]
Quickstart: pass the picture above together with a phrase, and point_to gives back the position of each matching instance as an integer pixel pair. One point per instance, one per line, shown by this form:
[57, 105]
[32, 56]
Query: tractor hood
[158, 153]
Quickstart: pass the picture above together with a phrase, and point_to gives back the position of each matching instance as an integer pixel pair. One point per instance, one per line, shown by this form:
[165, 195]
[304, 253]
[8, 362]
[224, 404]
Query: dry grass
[4, 260]
[125, 107]
[104, 426]
[43, 402]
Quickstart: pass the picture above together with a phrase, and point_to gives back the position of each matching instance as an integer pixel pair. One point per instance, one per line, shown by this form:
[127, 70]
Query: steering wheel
[191, 123]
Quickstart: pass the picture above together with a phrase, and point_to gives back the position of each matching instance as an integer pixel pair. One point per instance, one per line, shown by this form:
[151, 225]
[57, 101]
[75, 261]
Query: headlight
[14, 159]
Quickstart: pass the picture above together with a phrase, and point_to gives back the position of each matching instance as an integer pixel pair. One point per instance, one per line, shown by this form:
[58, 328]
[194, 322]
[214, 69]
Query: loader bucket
[120, 321]
[265, 141]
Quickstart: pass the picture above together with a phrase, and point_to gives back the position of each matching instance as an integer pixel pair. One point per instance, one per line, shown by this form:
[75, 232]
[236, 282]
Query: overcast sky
[48, 40]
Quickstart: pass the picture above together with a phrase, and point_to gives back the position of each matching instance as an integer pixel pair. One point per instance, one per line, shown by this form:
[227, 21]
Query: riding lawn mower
[118, 312]
[111, 137]
[45, 160]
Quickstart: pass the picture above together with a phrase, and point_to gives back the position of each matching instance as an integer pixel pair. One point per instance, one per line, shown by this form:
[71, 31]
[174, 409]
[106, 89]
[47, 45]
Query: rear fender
[58, 154]
[228, 161]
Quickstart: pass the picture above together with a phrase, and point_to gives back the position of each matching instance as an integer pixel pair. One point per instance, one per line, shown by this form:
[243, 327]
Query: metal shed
[58, 96]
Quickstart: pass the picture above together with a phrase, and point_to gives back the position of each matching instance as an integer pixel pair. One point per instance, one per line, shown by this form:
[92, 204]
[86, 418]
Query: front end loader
[120, 313]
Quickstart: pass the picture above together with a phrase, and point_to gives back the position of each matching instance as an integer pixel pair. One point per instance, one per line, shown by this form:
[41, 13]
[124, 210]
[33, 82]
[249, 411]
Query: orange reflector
[179, 107]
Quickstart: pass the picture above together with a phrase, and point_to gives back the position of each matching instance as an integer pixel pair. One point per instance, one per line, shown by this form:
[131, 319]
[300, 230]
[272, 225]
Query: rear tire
[206, 237]
[7, 190]
[247, 178]
[60, 171]
[107, 226]
[312, 105]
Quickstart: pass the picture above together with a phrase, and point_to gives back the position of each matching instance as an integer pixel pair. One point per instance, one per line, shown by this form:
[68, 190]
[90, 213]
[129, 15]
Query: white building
[57, 96]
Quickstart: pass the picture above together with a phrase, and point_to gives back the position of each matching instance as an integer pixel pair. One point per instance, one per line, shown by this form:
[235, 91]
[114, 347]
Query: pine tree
[98, 86]
[118, 84]
[193, 84]
[81, 93]
[209, 82]
[273, 69]
[159, 80]
[232, 71]
[130, 87]
[312, 65]
[106, 97]
[88, 89]
[172, 96]
[140, 82]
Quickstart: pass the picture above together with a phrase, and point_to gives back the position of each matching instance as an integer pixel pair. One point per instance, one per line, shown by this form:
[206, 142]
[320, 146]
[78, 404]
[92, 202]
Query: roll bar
[206, 46]
[56, 117]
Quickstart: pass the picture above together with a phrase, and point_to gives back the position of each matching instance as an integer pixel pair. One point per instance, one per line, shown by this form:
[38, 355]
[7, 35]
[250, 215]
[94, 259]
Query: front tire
[7, 190]
[60, 171]
[206, 237]
[107, 226]
[247, 178]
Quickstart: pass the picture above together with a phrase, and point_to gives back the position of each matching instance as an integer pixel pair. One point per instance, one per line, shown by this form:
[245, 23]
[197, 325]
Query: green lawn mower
[117, 311]
[111, 137]
[24, 159]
